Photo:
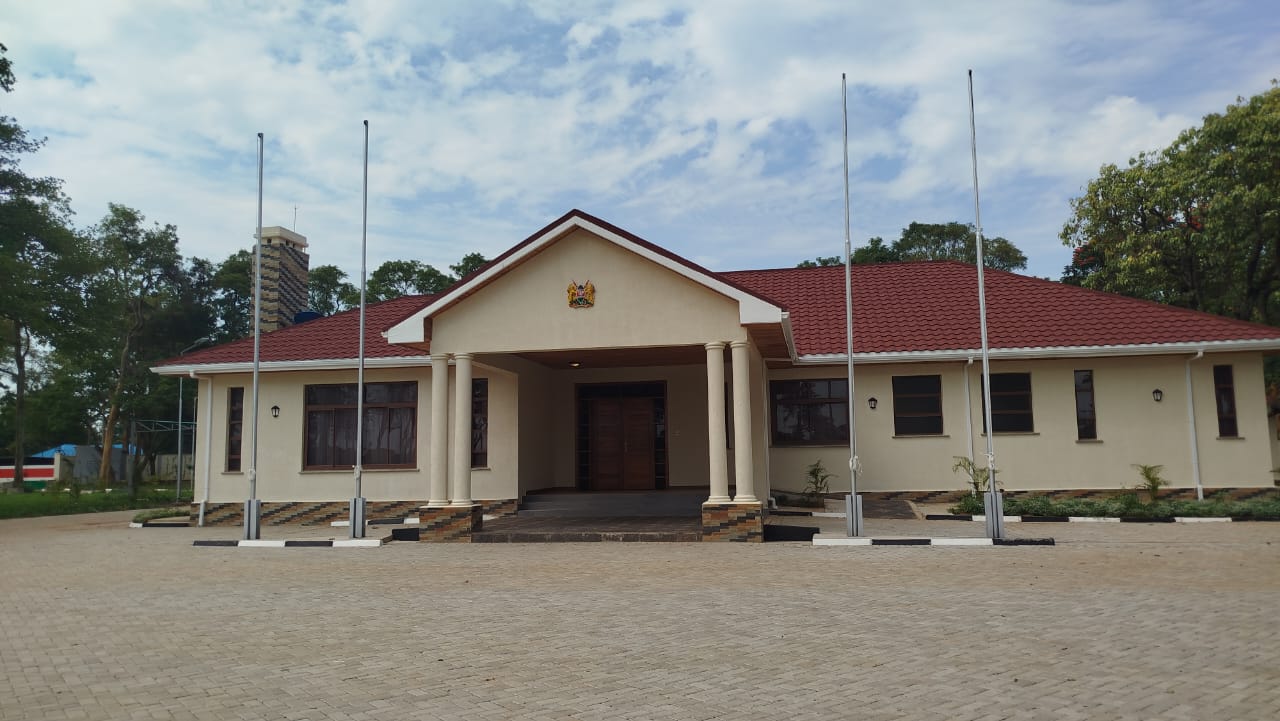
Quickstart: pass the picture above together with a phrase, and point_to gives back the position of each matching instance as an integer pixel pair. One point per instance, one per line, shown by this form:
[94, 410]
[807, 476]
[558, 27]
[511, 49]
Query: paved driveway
[1118, 621]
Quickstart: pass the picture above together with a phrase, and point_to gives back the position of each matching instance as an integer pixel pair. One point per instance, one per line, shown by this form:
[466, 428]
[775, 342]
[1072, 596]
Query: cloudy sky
[711, 128]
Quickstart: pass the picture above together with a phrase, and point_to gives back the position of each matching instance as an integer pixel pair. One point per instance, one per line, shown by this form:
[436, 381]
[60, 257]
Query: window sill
[1013, 433]
[925, 435]
[836, 444]
[1231, 438]
[481, 468]
[1088, 440]
[347, 471]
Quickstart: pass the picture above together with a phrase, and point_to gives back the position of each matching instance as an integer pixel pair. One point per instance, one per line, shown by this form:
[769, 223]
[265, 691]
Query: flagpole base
[357, 517]
[853, 515]
[993, 505]
[252, 519]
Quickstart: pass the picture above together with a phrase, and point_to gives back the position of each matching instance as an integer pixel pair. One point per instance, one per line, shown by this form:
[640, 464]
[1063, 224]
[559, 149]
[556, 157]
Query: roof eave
[1090, 351]
[319, 364]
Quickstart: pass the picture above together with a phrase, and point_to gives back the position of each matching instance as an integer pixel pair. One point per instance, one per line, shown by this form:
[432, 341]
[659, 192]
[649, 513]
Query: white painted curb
[259, 543]
[819, 541]
[961, 542]
[358, 543]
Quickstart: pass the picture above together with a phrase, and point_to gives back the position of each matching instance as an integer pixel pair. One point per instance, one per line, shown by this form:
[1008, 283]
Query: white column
[439, 469]
[461, 492]
[743, 463]
[716, 440]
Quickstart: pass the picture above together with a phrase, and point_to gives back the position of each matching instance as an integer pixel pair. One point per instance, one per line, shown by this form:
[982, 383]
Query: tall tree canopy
[396, 278]
[1196, 224]
[138, 280]
[329, 291]
[934, 241]
[41, 263]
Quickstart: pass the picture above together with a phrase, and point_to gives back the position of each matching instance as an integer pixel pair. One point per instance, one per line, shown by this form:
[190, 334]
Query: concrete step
[634, 504]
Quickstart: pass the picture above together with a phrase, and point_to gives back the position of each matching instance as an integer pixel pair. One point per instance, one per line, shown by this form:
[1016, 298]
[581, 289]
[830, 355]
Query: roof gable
[752, 307]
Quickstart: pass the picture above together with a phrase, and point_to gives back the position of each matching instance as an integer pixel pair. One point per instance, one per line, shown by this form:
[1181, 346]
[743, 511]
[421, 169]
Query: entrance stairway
[669, 503]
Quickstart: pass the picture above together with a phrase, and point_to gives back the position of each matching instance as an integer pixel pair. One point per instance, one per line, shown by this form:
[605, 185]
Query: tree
[396, 278]
[821, 262]
[138, 276]
[875, 251]
[41, 262]
[233, 296]
[932, 241]
[1195, 225]
[327, 290]
[470, 263]
[956, 241]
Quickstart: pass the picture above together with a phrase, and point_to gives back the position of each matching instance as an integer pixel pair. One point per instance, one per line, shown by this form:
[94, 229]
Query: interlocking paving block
[621, 632]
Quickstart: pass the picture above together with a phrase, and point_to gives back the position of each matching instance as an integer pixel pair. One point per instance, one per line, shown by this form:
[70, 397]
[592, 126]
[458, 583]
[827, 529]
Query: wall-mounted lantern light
[872, 402]
[275, 411]
[1157, 395]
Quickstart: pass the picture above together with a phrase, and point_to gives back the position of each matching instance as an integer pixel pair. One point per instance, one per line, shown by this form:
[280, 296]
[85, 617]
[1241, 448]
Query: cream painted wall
[536, 412]
[280, 474]
[1132, 428]
[501, 478]
[636, 302]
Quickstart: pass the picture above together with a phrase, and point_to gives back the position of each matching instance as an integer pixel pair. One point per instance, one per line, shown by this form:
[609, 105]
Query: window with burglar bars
[1224, 395]
[235, 426]
[390, 425]
[917, 405]
[810, 412]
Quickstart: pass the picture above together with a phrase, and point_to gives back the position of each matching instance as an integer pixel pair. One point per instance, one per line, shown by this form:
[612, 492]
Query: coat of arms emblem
[581, 295]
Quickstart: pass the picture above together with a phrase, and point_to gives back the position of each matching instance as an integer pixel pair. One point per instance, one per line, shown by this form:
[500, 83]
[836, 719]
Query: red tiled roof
[334, 337]
[898, 307]
[931, 306]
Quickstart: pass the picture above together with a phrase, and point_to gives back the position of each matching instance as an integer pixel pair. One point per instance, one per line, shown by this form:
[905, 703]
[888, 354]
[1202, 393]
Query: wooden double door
[622, 437]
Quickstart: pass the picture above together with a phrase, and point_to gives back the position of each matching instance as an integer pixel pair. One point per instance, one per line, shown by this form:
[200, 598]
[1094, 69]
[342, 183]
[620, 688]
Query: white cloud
[710, 127]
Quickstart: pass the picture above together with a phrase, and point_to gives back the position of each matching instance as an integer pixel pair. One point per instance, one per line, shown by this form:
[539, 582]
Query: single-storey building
[586, 358]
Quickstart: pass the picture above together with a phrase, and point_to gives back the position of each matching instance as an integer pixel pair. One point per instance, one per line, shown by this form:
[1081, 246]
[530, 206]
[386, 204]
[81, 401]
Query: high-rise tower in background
[285, 265]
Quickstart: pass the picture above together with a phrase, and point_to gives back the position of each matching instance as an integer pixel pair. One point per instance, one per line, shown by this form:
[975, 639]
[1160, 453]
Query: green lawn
[59, 502]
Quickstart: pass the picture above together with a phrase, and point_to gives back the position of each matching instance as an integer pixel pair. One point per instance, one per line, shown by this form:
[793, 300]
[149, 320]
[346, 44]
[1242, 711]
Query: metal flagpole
[177, 491]
[853, 502]
[993, 504]
[357, 501]
[252, 506]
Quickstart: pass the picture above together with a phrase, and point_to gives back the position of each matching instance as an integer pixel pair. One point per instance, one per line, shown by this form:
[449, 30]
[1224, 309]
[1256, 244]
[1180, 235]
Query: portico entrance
[621, 439]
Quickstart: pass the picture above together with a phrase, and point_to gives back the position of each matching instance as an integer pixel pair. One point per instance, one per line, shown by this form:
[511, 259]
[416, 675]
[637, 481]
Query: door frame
[653, 389]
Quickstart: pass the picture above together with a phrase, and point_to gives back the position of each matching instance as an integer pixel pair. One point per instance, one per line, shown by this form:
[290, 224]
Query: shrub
[816, 478]
[1152, 482]
[969, 504]
[978, 477]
